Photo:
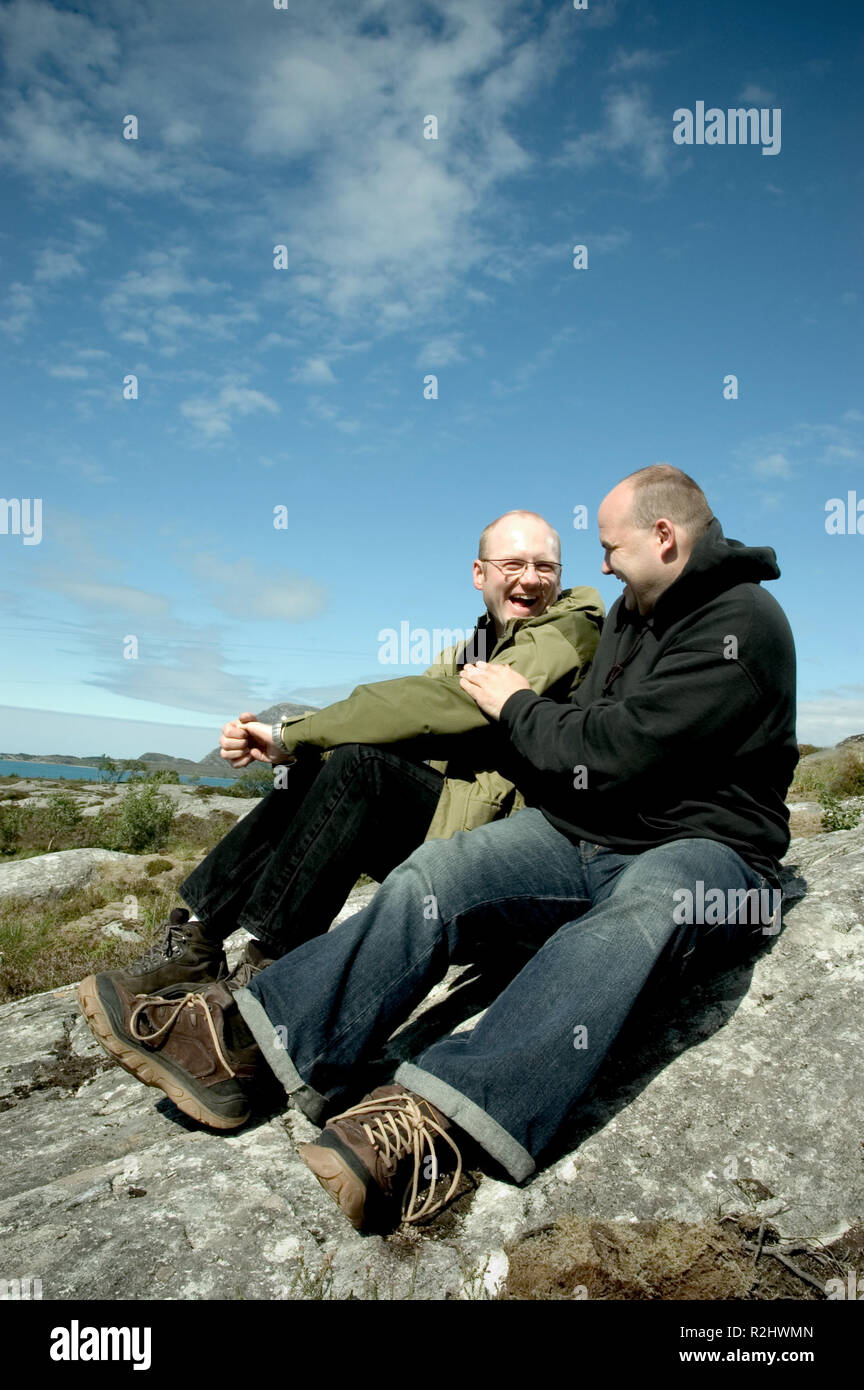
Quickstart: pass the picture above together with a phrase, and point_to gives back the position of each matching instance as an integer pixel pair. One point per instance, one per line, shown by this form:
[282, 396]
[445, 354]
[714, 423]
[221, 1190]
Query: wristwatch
[276, 736]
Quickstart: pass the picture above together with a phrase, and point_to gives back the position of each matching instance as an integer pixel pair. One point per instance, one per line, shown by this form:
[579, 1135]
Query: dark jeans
[601, 923]
[287, 867]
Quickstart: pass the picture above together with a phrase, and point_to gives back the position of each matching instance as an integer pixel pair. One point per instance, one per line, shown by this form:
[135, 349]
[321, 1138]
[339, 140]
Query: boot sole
[143, 1065]
[338, 1180]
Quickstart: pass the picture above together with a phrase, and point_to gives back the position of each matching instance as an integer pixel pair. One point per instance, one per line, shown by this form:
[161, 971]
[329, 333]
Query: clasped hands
[244, 740]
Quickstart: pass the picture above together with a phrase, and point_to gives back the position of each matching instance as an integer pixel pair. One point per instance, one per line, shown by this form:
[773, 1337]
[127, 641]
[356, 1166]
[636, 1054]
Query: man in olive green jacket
[287, 867]
[552, 651]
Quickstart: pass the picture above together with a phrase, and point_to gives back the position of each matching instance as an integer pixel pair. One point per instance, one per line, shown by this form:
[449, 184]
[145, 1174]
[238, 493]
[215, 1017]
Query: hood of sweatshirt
[716, 563]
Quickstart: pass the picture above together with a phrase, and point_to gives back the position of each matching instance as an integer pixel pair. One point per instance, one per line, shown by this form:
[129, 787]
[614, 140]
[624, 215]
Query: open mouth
[524, 602]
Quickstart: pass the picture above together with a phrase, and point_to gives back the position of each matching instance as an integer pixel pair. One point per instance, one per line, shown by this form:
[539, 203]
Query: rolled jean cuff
[468, 1116]
[266, 1035]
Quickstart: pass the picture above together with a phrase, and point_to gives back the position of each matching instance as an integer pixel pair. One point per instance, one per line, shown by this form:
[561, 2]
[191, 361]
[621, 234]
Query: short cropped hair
[661, 490]
[484, 534]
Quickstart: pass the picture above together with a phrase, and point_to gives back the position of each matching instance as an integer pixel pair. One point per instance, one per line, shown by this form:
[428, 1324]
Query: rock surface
[93, 797]
[744, 1095]
[54, 875]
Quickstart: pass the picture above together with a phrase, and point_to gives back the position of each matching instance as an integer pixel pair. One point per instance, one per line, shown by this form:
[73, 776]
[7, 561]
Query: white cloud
[20, 310]
[787, 453]
[637, 60]
[601, 14]
[243, 590]
[832, 716]
[608, 241]
[68, 372]
[142, 307]
[315, 371]
[313, 138]
[753, 92]
[440, 352]
[118, 598]
[773, 466]
[183, 675]
[631, 135]
[212, 415]
[57, 265]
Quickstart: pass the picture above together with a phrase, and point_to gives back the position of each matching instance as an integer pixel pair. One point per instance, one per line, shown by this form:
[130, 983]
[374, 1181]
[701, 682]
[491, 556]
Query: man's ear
[478, 575]
[668, 539]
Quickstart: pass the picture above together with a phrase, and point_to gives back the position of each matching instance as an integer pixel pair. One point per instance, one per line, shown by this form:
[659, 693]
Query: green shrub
[836, 816]
[253, 784]
[133, 765]
[157, 866]
[841, 775]
[61, 815]
[143, 822]
[162, 774]
[848, 779]
[111, 770]
[10, 828]
[199, 833]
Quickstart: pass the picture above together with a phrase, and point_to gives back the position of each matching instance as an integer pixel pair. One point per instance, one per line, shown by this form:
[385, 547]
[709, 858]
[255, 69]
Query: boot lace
[398, 1128]
[175, 940]
[185, 1001]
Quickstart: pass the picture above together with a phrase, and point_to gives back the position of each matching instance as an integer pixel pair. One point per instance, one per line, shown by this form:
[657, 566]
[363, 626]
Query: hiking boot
[192, 1044]
[370, 1159]
[187, 956]
[250, 964]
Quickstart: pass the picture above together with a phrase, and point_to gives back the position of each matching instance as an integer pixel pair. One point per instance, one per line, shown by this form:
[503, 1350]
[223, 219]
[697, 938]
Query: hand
[244, 741]
[491, 685]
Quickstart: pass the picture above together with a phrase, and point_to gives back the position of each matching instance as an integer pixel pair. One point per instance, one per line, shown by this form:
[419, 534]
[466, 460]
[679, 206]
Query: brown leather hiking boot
[370, 1159]
[187, 956]
[250, 964]
[192, 1044]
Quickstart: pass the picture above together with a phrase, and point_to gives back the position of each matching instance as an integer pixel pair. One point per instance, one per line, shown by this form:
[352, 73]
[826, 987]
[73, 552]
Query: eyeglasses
[546, 570]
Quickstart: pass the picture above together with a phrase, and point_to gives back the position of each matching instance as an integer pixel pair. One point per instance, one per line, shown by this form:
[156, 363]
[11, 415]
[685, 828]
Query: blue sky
[303, 387]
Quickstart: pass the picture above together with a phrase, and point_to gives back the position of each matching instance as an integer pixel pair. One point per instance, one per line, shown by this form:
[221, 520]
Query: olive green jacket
[553, 653]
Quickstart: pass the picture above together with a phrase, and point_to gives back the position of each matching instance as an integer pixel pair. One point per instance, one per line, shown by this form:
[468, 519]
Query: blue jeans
[284, 871]
[601, 924]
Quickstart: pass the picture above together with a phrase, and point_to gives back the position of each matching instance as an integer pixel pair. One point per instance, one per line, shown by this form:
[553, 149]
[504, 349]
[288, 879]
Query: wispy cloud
[441, 352]
[831, 716]
[212, 416]
[637, 60]
[145, 307]
[20, 308]
[243, 590]
[315, 371]
[785, 454]
[632, 134]
[753, 92]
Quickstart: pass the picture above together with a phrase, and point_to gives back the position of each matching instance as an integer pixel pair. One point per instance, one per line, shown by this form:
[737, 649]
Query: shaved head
[664, 491]
[513, 518]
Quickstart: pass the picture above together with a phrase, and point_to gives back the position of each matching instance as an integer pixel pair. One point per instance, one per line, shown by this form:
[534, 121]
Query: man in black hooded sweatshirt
[656, 819]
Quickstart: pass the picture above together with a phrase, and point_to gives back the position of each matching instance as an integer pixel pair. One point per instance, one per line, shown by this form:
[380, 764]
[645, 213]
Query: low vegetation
[832, 780]
[44, 945]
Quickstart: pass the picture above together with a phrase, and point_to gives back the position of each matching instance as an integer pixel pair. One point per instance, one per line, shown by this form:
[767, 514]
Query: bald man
[286, 868]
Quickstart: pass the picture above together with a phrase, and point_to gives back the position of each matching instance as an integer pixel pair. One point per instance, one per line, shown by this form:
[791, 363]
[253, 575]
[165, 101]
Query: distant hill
[211, 765]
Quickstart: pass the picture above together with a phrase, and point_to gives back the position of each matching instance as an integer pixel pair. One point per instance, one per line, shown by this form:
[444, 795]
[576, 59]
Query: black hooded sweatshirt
[685, 725]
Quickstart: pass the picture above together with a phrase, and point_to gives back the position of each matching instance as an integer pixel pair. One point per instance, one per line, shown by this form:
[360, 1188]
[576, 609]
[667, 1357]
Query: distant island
[211, 765]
